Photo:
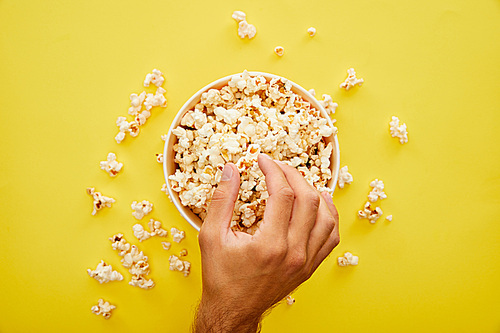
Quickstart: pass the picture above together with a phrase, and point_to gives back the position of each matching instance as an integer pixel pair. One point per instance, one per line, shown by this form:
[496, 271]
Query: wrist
[215, 314]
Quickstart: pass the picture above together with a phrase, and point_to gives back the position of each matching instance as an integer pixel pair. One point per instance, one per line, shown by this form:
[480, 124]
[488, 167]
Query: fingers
[221, 207]
[305, 208]
[334, 238]
[326, 222]
[280, 202]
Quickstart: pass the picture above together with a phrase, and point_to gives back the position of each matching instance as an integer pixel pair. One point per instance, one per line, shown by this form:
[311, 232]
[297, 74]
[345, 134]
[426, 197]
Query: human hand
[244, 275]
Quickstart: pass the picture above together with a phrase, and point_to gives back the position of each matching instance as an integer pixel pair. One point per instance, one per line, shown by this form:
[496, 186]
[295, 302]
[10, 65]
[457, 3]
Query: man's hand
[244, 275]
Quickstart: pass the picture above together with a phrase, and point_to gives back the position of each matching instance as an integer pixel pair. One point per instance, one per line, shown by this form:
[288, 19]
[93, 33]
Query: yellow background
[67, 69]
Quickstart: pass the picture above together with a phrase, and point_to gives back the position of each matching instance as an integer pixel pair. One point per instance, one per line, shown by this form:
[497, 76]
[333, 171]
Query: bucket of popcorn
[234, 119]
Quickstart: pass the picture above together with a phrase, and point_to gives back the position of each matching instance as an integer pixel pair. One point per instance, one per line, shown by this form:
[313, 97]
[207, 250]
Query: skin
[245, 275]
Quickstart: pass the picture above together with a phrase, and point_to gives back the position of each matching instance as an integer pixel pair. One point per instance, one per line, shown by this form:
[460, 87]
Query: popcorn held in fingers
[134, 260]
[166, 245]
[344, 177]
[141, 209]
[177, 235]
[398, 131]
[290, 300]
[311, 31]
[159, 158]
[248, 116]
[328, 104]
[372, 215]
[111, 165]
[104, 273]
[351, 80]
[244, 28]
[389, 218]
[377, 191]
[179, 265]
[279, 50]
[155, 78]
[155, 229]
[100, 201]
[103, 308]
[348, 260]
[312, 92]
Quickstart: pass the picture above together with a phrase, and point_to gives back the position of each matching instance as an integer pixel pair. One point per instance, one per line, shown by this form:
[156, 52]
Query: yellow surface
[67, 69]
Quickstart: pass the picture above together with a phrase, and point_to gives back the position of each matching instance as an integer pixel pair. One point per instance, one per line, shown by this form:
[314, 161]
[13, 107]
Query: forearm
[215, 317]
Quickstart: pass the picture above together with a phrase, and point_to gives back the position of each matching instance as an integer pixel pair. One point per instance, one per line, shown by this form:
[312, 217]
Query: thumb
[221, 206]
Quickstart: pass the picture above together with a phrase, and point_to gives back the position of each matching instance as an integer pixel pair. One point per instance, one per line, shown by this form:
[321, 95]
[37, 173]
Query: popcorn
[248, 116]
[344, 177]
[347, 259]
[183, 253]
[351, 80]
[164, 137]
[239, 16]
[159, 158]
[178, 235]
[100, 201]
[158, 99]
[398, 131]
[179, 265]
[134, 260]
[166, 245]
[290, 300]
[377, 192]
[311, 31]
[103, 308]
[136, 103]
[155, 78]
[132, 128]
[111, 165]
[279, 50]
[312, 92]
[140, 209]
[372, 215]
[104, 273]
[244, 28]
[328, 104]
[389, 218]
[155, 230]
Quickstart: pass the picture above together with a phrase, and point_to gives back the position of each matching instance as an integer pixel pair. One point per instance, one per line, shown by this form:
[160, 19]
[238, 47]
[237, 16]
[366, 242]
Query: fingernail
[266, 156]
[227, 173]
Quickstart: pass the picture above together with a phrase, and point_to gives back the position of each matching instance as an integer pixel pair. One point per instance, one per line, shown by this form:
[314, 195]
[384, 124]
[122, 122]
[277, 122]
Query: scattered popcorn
[244, 28]
[248, 116]
[351, 80]
[179, 265]
[389, 218]
[104, 273]
[377, 191]
[290, 300]
[103, 308]
[372, 215]
[111, 165]
[183, 253]
[125, 127]
[136, 103]
[134, 260]
[178, 235]
[155, 230]
[166, 245]
[164, 137]
[279, 50]
[311, 31]
[328, 104]
[159, 158]
[100, 201]
[312, 92]
[140, 209]
[348, 259]
[344, 177]
[158, 99]
[239, 16]
[398, 131]
[155, 78]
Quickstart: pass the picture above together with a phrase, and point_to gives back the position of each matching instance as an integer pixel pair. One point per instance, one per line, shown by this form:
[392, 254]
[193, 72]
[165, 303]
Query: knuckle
[276, 252]
[287, 194]
[297, 261]
[312, 198]
[218, 196]
[329, 223]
